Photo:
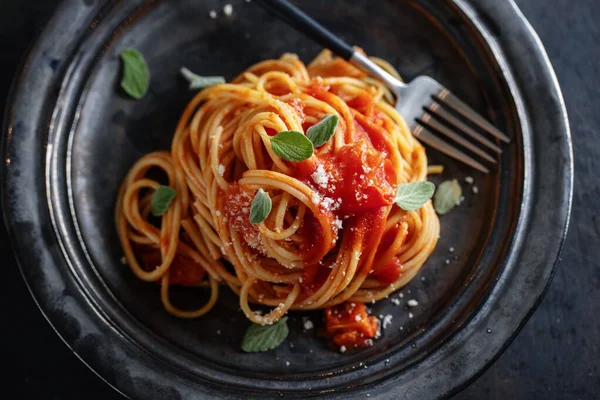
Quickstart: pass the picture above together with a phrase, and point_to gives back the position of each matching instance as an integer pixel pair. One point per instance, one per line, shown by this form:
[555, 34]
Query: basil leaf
[263, 338]
[447, 196]
[136, 75]
[411, 196]
[200, 82]
[292, 146]
[260, 207]
[161, 199]
[322, 131]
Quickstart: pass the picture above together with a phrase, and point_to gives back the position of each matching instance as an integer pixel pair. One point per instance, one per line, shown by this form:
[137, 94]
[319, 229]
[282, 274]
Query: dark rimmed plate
[70, 136]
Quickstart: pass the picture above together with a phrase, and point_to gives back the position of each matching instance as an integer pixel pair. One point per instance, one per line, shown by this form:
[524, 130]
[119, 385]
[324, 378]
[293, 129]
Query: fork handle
[305, 24]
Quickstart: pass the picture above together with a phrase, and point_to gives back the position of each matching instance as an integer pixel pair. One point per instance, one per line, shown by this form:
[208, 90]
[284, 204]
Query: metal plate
[70, 136]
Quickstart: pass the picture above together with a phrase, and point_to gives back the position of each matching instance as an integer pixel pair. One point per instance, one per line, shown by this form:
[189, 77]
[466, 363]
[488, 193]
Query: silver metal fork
[426, 105]
[429, 107]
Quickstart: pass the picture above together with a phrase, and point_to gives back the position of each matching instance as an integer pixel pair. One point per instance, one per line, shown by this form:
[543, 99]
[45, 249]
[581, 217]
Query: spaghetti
[333, 235]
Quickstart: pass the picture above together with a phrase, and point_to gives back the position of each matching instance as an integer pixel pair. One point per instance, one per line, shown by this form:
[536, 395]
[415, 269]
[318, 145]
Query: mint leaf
[447, 196]
[265, 337]
[200, 82]
[161, 199]
[136, 75]
[322, 131]
[292, 146]
[260, 207]
[411, 196]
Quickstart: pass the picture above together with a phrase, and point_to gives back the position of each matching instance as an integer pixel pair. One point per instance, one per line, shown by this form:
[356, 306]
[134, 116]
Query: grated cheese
[308, 325]
[315, 198]
[387, 320]
[321, 177]
[338, 223]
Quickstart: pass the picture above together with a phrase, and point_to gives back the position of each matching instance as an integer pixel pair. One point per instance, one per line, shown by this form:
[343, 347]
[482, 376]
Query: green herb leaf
[411, 196]
[447, 196]
[136, 75]
[322, 131]
[292, 146]
[263, 338]
[200, 82]
[260, 207]
[161, 199]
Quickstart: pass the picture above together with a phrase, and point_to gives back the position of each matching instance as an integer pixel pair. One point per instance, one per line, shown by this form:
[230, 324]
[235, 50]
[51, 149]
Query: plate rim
[9, 181]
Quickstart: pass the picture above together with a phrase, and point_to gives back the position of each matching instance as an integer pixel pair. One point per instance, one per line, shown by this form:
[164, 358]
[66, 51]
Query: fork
[425, 104]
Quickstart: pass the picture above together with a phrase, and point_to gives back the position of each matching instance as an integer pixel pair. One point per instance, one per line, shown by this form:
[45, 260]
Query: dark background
[554, 357]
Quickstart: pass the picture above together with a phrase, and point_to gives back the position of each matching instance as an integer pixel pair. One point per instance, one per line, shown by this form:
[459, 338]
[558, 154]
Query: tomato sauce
[349, 326]
[358, 181]
[312, 234]
[336, 67]
[314, 276]
[271, 131]
[388, 273]
[237, 211]
[184, 271]
[298, 107]
[361, 177]
[362, 103]
[354, 186]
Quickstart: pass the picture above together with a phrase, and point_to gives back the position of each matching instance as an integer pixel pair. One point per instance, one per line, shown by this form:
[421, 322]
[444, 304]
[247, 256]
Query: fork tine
[424, 135]
[442, 114]
[447, 98]
[428, 121]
